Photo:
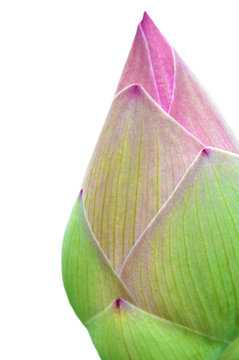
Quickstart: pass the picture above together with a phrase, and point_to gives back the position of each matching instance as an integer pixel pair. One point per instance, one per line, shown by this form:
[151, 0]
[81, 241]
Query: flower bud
[150, 256]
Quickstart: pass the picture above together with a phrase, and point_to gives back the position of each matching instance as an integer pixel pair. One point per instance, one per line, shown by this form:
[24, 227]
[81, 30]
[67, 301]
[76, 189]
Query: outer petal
[124, 331]
[193, 109]
[89, 280]
[174, 87]
[185, 266]
[141, 155]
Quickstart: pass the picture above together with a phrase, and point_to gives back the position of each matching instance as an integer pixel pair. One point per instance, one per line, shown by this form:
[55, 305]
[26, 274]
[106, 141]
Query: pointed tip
[81, 194]
[145, 17]
[118, 302]
[133, 90]
[136, 89]
[147, 21]
[119, 305]
[206, 152]
[148, 26]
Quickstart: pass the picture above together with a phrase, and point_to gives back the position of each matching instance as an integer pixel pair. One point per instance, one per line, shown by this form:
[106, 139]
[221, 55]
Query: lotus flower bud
[150, 256]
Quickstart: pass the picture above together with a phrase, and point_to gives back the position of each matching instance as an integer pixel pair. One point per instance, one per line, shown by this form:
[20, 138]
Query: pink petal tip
[81, 194]
[120, 304]
[206, 152]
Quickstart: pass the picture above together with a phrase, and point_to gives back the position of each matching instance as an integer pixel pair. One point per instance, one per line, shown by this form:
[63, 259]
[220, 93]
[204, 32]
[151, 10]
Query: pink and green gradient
[150, 257]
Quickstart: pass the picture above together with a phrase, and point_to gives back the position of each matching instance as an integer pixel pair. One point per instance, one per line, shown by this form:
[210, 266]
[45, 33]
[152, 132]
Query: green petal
[231, 352]
[141, 155]
[185, 267]
[89, 280]
[124, 332]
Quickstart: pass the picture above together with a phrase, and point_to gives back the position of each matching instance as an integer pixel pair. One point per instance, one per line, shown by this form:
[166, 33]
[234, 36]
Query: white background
[60, 62]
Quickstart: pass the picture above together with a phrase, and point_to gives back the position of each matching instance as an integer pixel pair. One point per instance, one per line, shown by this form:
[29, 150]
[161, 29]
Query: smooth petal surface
[185, 266]
[89, 280]
[153, 63]
[141, 155]
[124, 332]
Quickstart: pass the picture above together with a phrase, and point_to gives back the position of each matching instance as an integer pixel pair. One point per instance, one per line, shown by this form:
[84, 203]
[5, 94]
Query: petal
[150, 63]
[138, 68]
[155, 65]
[141, 155]
[193, 109]
[124, 331]
[185, 266]
[89, 280]
[231, 352]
